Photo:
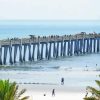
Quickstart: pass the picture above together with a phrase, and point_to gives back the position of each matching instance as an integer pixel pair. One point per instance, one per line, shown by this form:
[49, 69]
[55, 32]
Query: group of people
[87, 67]
[53, 91]
[62, 83]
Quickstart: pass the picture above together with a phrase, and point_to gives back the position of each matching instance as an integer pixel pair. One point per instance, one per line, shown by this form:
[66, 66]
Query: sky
[49, 9]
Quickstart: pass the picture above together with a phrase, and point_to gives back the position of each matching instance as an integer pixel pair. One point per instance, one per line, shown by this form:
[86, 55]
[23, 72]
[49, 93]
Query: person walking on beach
[53, 92]
[62, 81]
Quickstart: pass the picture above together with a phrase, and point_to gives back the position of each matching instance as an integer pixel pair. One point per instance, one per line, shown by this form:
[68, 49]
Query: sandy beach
[40, 83]
[68, 91]
[59, 96]
[40, 92]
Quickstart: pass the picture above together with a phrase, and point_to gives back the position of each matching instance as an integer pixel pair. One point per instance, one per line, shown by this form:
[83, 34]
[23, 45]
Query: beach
[42, 83]
[36, 91]
[38, 95]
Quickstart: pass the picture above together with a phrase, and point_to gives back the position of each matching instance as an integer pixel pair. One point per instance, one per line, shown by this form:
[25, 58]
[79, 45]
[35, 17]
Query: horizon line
[47, 20]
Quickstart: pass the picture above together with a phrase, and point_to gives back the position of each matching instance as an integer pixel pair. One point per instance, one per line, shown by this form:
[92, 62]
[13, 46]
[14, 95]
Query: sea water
[73, 68]
[10, 29]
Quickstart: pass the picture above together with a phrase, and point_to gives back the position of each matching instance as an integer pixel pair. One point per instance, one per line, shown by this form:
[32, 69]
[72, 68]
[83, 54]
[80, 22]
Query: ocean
[10, 29]
[73, 68]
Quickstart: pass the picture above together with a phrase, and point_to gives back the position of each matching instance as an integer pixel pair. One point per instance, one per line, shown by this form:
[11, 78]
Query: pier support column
[49, 54]
[29, 48]
[54, 49]
[64, 51]
[38, 51]
[61, 52]
[81, 46]
[15, 53]
[90, 45]
[57, 50]
[33, 56]
[0, 55]
[94, 45]
[71, 48]
[5, 54]
[87, 49]
[76, 47]
[68, 49]
[24, 55]
[20, 53]
[46, 55]
[42, 46]
[84, 45]
[10, 53]
[98, 43]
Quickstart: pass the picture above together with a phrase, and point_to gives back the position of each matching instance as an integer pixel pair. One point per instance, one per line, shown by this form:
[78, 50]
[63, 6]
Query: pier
[46, 47]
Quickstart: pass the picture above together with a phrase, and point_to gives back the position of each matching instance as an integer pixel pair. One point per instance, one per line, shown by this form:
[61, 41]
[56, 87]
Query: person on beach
[86, 68]
[44, 94]
[96, 65]
[62, 81]
[53, 92]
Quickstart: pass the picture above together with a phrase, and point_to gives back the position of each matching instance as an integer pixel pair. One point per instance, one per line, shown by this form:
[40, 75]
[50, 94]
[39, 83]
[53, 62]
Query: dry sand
[36, 92]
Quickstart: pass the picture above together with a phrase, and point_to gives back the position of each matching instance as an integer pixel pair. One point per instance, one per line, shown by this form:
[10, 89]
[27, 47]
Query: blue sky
[49, 9]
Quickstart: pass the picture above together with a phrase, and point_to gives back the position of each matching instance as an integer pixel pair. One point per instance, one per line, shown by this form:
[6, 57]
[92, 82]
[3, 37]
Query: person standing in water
[62, 81]
[53, 92]
[96, 65]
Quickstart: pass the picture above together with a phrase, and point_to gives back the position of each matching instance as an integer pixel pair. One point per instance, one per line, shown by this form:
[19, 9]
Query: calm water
[72, 68]
[25, 28]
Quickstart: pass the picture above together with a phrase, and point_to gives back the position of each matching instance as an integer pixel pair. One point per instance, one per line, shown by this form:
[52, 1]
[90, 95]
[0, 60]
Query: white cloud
[50, 9]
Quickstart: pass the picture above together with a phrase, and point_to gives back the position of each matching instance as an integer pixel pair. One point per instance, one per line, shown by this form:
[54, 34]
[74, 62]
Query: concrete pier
[38, 48]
